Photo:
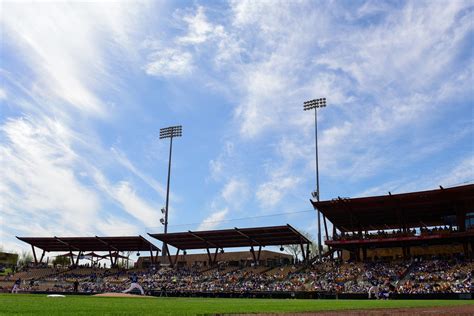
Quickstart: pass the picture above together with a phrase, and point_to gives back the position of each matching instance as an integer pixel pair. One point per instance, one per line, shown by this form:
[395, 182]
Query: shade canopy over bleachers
[122, 243]
[84, 244]
[231, 238]
[393, 211]
[234, 238]
[441, 217]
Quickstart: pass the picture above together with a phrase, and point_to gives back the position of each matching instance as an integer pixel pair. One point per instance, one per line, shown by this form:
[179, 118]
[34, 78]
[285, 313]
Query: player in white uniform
[134, 284]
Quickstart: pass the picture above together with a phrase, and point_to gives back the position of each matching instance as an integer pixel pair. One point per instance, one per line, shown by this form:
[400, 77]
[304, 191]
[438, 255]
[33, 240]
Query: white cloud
[3, 94]
[70, 57]
[270, 193]
[38, 178]
[213, 220]
[64, 45]
[235, 192]
[199, 28]
[124, 161]
[456, 173]
[216, 167]
[462, 172]
[113, 226]
[378, 79]
[169, 62]
[124, 194]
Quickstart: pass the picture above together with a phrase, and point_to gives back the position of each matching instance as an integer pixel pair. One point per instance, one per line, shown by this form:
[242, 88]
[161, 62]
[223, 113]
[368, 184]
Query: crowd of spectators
[380, 234]
[439, 276]
[434, 275]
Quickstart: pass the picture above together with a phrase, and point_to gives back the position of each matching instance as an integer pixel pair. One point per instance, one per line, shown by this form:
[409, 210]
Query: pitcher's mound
[111, 294]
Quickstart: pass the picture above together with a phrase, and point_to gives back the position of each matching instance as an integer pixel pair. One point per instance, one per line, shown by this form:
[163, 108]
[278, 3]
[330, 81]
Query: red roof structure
[393, 211]
[450, 208]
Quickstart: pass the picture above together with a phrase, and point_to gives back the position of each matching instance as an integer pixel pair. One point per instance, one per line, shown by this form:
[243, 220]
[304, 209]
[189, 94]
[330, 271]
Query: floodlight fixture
[172, 131]
[314, 104]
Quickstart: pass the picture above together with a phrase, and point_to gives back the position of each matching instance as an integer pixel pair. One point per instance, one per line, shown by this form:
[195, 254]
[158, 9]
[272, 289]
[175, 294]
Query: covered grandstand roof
[415, 209]
[123, 243]
[237, 237]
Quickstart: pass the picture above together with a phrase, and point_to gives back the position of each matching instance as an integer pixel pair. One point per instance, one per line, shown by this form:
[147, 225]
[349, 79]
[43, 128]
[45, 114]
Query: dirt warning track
[422, 311]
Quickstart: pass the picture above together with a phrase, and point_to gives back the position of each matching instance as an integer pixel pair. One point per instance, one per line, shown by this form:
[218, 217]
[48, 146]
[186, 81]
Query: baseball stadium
[405, 252]
[237, 157]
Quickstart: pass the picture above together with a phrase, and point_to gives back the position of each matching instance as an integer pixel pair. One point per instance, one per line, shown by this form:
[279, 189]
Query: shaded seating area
[77, 247]
[406, 221]
[217, 240]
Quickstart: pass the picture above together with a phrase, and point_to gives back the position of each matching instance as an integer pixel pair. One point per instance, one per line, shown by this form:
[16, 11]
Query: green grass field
[24, 304]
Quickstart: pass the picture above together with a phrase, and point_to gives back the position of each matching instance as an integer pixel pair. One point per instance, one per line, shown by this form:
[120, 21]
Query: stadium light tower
[310, 105]
[169, 132]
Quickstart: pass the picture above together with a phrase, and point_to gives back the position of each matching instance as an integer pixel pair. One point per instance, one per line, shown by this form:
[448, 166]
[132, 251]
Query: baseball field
[27, 304]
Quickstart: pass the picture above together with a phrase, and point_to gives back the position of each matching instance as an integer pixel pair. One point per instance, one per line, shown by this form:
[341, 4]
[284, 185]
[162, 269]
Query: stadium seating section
[434, 275]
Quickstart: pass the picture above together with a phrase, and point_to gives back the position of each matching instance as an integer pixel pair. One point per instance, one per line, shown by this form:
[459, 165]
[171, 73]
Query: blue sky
[85, 88]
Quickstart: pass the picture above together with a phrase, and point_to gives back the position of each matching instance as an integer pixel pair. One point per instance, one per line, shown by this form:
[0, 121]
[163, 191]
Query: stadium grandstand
[407, 245]
[395, 226]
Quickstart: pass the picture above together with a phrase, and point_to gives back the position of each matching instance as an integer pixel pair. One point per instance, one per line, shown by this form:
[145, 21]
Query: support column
[253, 256]
[111, 259]
[77, 259]
[325, 227]
[303, 252]
[152, 259]
[34, 254]
[176, 258]
[72, 257]
[215, 256]
[42, 256]
[157, 256]
[169, 257]
[209, 256]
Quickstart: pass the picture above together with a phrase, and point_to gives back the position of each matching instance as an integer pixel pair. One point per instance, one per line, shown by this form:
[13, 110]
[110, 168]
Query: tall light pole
[310, 105]
[169, 132]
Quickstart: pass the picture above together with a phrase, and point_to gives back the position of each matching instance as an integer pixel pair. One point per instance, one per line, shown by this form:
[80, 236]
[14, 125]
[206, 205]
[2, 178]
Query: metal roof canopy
[424, 208]
[123, 243]
[237, 237]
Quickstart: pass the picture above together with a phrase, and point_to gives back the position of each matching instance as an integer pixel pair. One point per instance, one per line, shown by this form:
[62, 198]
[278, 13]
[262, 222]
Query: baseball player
[134, 284]
[16, 286]
[374, 289]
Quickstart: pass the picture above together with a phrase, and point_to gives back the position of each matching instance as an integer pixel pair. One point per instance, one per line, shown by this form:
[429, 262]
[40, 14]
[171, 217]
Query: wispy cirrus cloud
[169, 62]
[38, 176]
[382, 79]
[64, 60]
